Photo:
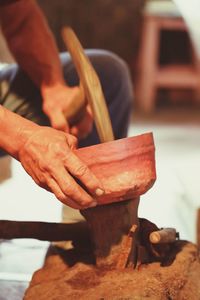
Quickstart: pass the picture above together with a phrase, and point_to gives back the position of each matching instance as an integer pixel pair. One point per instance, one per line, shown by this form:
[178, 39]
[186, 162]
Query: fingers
[84, 127]
[79, 170]
[63, 186]
[71, 189]
[48, 159]
[72, 141]
[58, 120]
[89, 111]
[55, 189]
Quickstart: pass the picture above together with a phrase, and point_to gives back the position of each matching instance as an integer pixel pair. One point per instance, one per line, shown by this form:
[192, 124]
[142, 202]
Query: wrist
[14, 131]
[51, 89]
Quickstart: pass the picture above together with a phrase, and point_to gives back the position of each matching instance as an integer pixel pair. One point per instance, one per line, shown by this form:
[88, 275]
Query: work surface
[174, 200]
[70, 275]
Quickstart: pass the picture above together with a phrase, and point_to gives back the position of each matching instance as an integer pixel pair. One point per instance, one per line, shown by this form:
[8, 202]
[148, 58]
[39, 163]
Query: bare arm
[31, 42]
[33, 46]
[45, 153]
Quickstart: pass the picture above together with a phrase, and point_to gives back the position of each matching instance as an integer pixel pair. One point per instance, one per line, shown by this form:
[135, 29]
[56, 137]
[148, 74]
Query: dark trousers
[24, 98]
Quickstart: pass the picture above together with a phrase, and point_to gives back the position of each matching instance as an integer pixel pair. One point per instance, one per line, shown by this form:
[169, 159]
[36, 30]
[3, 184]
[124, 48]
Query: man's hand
[57, 100]
[48, 158]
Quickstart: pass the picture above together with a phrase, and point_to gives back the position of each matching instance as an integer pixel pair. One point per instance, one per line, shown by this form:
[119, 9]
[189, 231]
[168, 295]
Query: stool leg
[148, 65]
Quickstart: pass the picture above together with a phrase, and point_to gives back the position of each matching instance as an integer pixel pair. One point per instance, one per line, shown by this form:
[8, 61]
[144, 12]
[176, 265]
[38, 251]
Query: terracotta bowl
[126, 167]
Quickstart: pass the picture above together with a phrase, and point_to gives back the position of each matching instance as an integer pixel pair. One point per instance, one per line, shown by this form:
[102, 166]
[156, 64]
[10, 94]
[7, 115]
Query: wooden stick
[165, 235]
[91, 85]
[43, 231]
[76, 111]
[127, 247]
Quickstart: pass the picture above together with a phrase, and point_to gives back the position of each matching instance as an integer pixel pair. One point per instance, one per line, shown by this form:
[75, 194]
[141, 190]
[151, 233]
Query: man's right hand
[57, 100]
[47, 156]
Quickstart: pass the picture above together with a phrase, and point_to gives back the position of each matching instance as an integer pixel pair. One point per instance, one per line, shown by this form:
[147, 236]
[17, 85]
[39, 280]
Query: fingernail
[93, 204]
[99, 192]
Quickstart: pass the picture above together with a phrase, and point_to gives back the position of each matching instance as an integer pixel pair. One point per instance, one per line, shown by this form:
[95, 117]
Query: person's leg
[117, 87]
[24, 98]
[21, 95]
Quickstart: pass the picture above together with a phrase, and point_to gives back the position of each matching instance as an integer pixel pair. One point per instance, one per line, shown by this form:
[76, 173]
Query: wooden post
[110, 226]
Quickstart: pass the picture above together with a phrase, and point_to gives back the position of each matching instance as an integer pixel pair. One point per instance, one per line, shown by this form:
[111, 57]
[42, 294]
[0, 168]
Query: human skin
[47, 156]
[33, 46]
[45, 153]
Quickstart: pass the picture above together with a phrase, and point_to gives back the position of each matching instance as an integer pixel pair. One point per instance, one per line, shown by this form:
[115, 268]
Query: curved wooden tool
[91, 85]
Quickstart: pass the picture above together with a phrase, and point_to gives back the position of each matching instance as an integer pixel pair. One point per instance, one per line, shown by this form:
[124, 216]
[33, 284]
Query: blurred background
[162, 50]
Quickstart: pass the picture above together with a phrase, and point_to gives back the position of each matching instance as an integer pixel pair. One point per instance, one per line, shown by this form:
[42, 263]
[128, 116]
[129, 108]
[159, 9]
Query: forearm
[31, 42]
[14, 131]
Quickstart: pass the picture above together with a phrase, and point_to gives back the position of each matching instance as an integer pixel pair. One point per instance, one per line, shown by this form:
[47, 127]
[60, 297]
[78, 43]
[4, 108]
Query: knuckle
[48, 106]
[42, 180]
[61, 197]
[57, 145]
[84, 204]
[80, 170]
[69, 190]
[43, 165]
[72, 139]
[36, 181]
[59, 152]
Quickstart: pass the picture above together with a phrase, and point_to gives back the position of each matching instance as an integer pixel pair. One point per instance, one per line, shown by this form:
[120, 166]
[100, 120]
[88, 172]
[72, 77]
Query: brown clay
[126, 167]
[72, 275]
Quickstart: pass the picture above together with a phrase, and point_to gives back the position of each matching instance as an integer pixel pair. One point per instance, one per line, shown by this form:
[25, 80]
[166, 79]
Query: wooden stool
[151, 75]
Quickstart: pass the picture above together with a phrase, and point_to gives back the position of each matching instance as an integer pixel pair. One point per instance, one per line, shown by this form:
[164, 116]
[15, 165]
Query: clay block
[126, 167]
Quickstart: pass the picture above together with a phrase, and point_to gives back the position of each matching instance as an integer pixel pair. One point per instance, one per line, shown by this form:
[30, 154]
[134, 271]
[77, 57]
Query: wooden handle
[91, 85]
[43, 231]
[165, 235]
[76, 111]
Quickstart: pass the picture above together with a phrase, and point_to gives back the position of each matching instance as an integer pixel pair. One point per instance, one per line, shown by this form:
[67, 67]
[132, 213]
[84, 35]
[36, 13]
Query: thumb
[58, 121]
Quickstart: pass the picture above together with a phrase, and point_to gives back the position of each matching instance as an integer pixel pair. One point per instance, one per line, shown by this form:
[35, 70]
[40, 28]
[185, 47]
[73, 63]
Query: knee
[114, 74]
[108, 62]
